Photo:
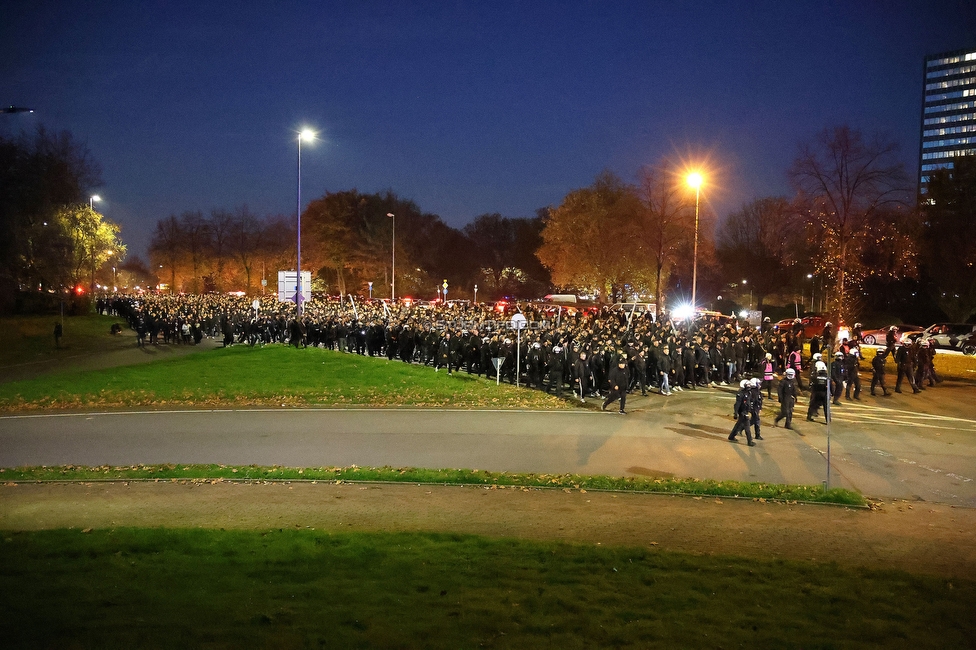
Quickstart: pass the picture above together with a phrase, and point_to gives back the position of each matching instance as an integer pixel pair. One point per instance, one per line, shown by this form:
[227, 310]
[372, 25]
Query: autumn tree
[948, 236]
[846, 184]
[585, 239]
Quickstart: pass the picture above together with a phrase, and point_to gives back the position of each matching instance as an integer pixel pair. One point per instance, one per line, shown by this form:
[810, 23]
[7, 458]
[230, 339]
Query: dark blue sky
[464, 107]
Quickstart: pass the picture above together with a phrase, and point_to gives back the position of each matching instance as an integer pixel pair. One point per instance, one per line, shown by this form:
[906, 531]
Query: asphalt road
[906, 446]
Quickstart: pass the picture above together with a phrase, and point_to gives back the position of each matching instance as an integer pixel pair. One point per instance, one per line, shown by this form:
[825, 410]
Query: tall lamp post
[307, 135]
[94, 198]
[393, 275]
[695, 181]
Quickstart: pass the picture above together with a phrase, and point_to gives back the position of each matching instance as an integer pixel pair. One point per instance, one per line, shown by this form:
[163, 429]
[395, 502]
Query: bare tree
[221, 225]
[195, 243]
[755, 243]
[165, 248]
[663, 224]
[845, 182]
[245, 241]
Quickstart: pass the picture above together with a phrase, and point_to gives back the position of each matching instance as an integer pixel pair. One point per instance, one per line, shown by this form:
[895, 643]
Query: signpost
[497, 362]
[518, 324]
[288, 289]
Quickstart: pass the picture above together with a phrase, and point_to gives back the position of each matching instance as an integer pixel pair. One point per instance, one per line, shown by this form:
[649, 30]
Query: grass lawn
[31, 338]
[948, 366]
[151, 588]
[568, 482]
[274, 375]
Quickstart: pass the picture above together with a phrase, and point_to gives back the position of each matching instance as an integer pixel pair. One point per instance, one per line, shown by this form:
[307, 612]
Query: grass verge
[693, 486]
[274, 375]
[150, 588]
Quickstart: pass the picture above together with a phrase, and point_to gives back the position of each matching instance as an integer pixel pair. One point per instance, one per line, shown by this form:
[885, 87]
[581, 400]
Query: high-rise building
[948, 112]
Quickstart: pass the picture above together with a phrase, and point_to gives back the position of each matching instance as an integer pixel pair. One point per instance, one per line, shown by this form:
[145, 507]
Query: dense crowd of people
[593, 352]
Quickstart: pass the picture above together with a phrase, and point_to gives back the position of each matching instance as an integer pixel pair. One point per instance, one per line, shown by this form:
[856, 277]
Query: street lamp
[476, 294]
[307, 135]
[812, 288]
[695, 181]
[393, 284]
[92, 200]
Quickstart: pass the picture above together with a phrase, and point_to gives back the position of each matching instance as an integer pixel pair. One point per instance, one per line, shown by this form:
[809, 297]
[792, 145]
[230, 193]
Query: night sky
[463, 107]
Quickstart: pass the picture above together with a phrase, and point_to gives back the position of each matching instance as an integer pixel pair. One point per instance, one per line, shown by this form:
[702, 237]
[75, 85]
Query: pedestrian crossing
[869, 414]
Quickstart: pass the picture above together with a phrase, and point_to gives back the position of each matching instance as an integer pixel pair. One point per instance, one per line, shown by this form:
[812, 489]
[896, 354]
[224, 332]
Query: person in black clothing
[755, 406]
[743, 412]
[818, 392]
[878, 368]
[838, 374]
[906, 369]
[58, 333]
[664, 370]
[555, 369]
[581, 375]
[787, 398]
[618, 386]
[640, 370]
[852, 362]
[688, 359]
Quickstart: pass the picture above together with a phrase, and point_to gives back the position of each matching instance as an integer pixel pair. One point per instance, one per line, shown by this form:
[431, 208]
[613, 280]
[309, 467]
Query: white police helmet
[756, 383]
[817, 357]
[821, 366]
[743, 383]
[790, 373]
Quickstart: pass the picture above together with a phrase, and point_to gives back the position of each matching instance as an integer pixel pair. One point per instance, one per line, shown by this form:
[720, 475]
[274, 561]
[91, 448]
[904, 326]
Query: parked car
[814, 325]
[879, 336]
[636, 308]
[950, 336]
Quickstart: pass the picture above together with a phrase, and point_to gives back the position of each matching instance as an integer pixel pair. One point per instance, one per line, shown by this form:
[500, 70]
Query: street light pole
[307, 135]
[393, 275]
[92, 199]
[695, 180]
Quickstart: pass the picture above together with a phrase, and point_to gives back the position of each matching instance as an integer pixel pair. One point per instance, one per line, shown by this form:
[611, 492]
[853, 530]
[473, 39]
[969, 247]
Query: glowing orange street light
[695, 181]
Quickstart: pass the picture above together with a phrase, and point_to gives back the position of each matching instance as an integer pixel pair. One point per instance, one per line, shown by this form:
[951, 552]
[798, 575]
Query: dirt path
[915, 537]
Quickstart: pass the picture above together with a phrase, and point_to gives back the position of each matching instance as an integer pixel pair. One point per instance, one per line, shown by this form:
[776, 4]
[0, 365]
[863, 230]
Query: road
[906, 446]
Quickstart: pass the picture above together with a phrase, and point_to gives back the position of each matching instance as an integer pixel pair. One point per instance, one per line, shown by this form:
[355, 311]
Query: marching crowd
[595, 352]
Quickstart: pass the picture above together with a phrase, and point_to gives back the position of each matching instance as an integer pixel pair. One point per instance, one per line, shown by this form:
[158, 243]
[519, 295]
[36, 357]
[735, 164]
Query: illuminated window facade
[948, 112]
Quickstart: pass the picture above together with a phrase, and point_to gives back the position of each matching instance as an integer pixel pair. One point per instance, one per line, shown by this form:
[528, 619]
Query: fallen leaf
[87, 530]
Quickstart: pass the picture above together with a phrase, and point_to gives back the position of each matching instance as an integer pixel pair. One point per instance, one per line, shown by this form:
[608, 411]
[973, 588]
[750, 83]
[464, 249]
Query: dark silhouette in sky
[464, 107]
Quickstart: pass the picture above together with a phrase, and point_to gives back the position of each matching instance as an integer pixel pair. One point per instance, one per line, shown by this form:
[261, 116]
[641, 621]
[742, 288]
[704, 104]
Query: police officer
[837, 374]
[819, 389]
[742, 413]
[755, 406]
[787, 398]
[878, 371]
[903, 357]
[851, 366]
